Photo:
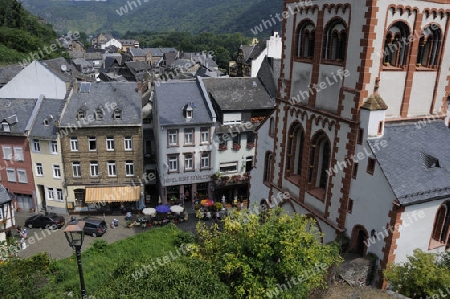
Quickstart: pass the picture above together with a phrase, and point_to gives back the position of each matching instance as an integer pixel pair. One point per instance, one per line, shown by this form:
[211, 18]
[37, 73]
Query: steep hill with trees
[194, 16]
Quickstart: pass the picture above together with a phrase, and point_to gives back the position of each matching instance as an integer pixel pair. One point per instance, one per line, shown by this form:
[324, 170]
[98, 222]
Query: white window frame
[74, 144]
[76, 169]
[36, 146]
[93, 166]
[189, 132]
[129, 168]
[59, 195]
[110, 143]
[56, 170]
[7, 152]
[128, 143]
[172, 134]
[39, 169]
[204, 136]
[10, 171]
[50, 193]
[173, 163]
[112, 171]
[22, 176]
[94, 139]
[203, 159]
[18, 153]
[53, 147]
[188, 162]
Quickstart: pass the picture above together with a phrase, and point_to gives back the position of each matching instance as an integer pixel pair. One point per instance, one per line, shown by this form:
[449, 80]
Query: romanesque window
[305, 40]
[335, 41]
[429, 46]
[441, 224]
[320, 160]
[396, 45]
[268, 167]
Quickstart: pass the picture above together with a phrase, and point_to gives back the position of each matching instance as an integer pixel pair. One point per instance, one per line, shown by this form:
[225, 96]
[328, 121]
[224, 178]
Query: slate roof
[4, 195]
[50, 110]
[137, 66]
[22, 108]
[173, 95]
[104, 95]
[256, 51]
[269, 76]
[136, 52]
[54, 65]
[202, 58]
[9, 72]
[237, 94]
[407, 160]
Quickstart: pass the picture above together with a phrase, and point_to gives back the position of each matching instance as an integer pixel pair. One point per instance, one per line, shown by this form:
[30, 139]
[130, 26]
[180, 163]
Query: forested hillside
[22, 34]
[194, 16]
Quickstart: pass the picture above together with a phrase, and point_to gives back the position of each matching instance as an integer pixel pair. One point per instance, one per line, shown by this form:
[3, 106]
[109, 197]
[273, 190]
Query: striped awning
[112, 194]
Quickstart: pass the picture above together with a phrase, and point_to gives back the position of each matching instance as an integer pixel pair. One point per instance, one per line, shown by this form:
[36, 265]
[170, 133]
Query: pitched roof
[9, 72]
[54, 65]
[415, 160]
[136, 52]
[49, 112]
[172, 96]
[5, 196]
[106, 96]
[238, 93]
[269, 74]
[18, 113]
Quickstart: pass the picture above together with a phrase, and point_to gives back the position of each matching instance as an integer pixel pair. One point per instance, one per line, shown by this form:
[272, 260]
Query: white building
[184, 126]
[354, 143]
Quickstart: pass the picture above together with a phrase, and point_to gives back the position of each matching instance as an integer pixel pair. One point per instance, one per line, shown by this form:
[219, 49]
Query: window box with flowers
[236, 146]
[222, 147]
[250, 145]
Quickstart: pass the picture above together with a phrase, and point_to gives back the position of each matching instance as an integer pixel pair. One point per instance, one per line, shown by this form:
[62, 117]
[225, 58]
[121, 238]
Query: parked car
[50, 221]
[94, 226]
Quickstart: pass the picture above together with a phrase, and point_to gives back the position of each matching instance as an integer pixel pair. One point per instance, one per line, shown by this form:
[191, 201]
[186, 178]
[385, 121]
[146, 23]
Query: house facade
[16, 171]
[7, 214]
[345, 137]
[47, 167]
[184, 126]
[101, 144]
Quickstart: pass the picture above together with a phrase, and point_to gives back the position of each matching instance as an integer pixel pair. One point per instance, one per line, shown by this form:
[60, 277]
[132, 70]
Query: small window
[59, 194]
[205, 160]
[380, 128]
[39, 169]
[272, 127]
[76, 169]
[355, 170]
[109, 143]
[81, 114]
[92, 143]
[350, 206]
[188, 136]
[189, 114]
[18, 154]
[50, 194]
[7, 152]
[188, 162]
[11, 173]
[98, 114]
[36, 146]
[173, 137]
[53, 147]
[6, 127]
[173, 163]
[370, 166]
[228, 167]
[360, 136]
[204, 132]
[112, 168]
[22, 175]
[73, 144]
[94, 169]
[56, 171]
[128, 143]
[117, 114]
[129, 168]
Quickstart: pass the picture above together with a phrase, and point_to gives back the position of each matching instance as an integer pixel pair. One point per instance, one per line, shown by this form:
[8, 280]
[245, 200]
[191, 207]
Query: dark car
[50, 221]
[94, 226]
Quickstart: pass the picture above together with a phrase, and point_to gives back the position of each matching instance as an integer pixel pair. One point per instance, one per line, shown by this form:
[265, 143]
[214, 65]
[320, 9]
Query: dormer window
[81, 114]
[188, 111]
[189, 114]
[117, 114]
[6, 127]
[98, 114]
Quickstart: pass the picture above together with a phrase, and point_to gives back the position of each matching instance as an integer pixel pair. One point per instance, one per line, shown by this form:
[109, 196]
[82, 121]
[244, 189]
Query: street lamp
[75, 235]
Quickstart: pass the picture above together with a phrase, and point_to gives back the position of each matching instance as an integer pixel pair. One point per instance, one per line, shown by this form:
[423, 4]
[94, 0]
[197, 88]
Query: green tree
[260, 255]
[422, 275]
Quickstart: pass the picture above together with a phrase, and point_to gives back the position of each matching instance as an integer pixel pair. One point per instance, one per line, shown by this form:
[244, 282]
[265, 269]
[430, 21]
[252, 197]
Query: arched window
[305, 40]
[294, 151]
[396, 45]
[335, 41]
[441, 224]
[429, 46]
[268, 160]
[320, 160]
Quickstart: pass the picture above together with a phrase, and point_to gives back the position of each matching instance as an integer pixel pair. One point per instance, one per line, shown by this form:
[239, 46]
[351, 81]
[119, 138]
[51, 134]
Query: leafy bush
[423, 275]
[183, 238]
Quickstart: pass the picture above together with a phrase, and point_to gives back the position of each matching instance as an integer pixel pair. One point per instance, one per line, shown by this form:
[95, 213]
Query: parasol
[207, 202]
[162, 209]
[177, 209]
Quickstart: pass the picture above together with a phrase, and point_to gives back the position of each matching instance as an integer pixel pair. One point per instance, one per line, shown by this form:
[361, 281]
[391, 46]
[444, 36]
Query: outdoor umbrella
[207, 202]
[149, 211]
[177, 209]
[163, 209]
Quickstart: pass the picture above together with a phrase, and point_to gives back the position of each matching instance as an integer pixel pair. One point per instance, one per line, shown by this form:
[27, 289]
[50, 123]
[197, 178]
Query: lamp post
[75, 235]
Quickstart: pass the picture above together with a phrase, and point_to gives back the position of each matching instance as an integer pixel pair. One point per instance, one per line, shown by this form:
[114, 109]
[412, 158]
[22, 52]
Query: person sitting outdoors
[128, 216]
